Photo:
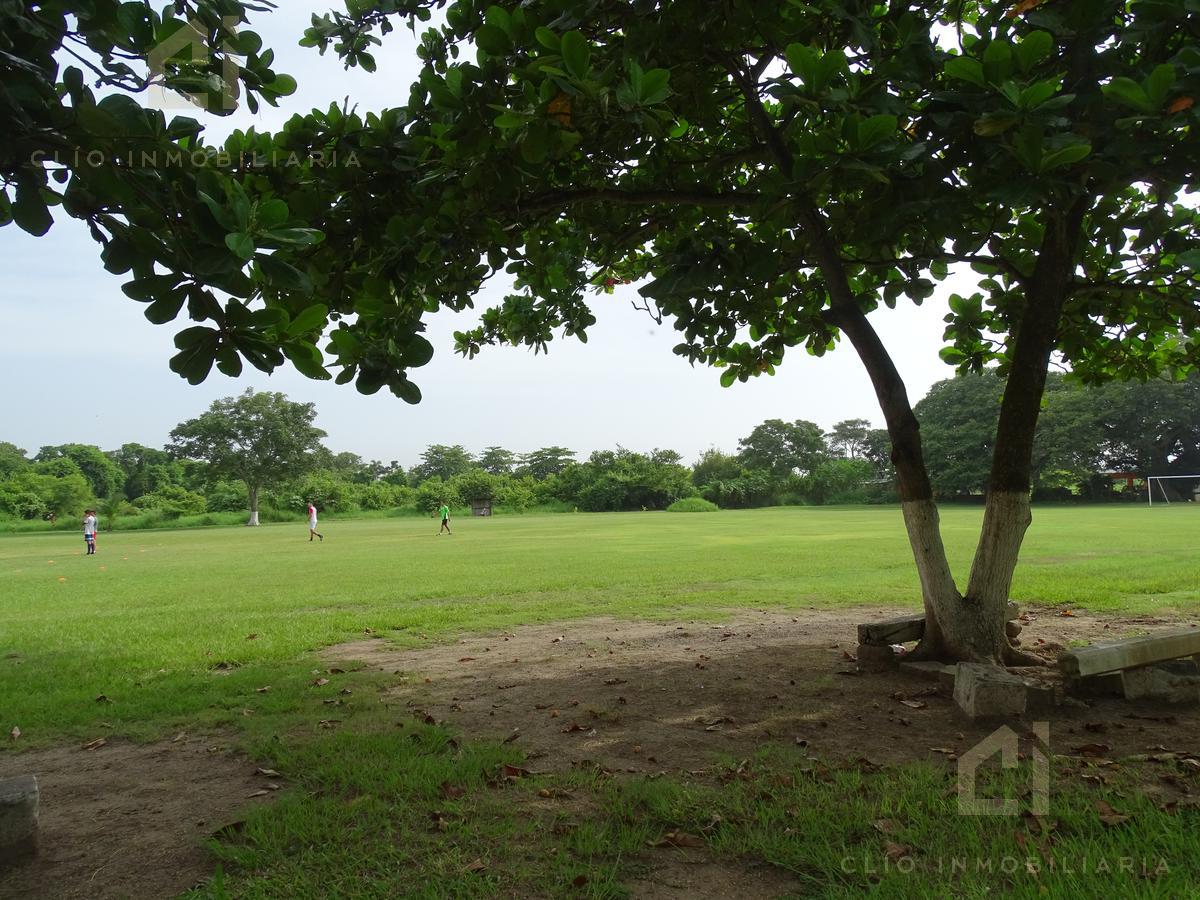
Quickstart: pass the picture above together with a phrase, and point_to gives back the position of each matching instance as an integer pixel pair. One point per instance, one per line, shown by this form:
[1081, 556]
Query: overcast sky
[79, 363]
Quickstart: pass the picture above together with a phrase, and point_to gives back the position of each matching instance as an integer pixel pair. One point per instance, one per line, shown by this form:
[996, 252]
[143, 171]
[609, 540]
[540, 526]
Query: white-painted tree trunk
[253, 506]
[969, 627]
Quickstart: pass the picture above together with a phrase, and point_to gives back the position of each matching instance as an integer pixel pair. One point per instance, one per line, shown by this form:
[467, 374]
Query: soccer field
[209, 635]
[154, 614]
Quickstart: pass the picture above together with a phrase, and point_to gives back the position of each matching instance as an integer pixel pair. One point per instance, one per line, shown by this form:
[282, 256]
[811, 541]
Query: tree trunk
[253, 505]
[971, 627]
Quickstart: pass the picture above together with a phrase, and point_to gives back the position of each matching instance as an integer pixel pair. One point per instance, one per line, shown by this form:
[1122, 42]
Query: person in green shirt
[444, 512]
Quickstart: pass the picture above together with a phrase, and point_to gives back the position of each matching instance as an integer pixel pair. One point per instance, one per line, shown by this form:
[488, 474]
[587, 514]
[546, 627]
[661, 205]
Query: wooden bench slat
[1114, 656]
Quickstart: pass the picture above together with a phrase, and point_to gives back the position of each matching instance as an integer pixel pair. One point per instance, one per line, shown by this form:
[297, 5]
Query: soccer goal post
[1152, 480]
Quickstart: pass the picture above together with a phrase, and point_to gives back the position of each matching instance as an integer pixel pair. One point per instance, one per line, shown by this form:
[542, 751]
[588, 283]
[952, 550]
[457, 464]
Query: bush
[693, 504]
[171, 502]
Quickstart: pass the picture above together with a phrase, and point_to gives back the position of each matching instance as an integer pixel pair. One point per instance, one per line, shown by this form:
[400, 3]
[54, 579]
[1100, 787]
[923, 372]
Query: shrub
[693, 504]
[171, 502]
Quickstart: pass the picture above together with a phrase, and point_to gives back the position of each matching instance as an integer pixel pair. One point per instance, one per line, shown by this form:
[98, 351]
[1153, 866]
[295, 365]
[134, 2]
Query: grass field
[178, 627]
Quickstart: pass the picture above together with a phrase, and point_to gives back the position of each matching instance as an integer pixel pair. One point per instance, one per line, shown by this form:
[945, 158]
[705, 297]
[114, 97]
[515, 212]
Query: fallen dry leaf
[895, 852]
[1067, 614]
[262, 793]
[94, 745]
[574, 726]
[267, 773]
[103, 699]
[1093, 749]
[1179, 104]
[516, 733]
[14, 734]
[450, 791]
[179, 737]
[320, 682]
[915, 704]
[466, 659]
[579, 881]
[477, 865]
[252, 637]
[262, 690]
[511, 771]
[886, 826]
[1108, 815]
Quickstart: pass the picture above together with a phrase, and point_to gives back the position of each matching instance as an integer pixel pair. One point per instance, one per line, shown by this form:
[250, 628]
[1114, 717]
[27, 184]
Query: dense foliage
[1085, 432]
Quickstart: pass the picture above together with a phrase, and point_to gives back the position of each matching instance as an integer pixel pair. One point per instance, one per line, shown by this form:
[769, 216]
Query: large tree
[262, 439]
[783, 448]
[769, 175]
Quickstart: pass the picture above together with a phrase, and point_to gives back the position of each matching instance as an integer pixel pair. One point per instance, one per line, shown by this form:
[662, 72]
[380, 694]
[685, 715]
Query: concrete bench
[18, 818]
[1116, 656]
[906, 628]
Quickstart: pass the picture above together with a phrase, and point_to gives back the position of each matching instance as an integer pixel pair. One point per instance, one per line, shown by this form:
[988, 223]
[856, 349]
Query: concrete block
[988, 692]
[932, 671]
[892, 631]
[18, 818]
[1130, 654]
[873, 658]
[1155, 683]
[1040, 697]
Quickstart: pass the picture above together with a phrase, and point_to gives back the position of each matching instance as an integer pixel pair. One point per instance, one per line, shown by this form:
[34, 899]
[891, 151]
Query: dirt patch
[127, 820]
[644, 697]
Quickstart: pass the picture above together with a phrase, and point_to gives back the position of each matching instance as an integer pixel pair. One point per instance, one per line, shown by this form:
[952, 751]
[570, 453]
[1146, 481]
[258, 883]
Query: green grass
[178, 629]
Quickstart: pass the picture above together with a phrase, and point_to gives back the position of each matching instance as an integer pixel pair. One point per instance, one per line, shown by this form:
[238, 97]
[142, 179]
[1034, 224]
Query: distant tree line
[1085, 435]
[262, 450]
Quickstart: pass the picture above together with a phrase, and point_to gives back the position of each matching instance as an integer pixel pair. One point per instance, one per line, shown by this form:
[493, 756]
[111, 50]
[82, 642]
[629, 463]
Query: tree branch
[642, 198]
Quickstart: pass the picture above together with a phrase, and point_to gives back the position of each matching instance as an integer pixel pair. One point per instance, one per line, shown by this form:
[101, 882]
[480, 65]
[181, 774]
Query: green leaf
[993, 124]
[282, 86]
[576, 54]
[284, 276]
[498, 17]
[1189, 258]
[30, 211]
[1158, 84]
[1127, 91]
[509, 120]
[964, 68]
[1037, 94]
[728, 377]
[876, 129]
[804, 63]
[166, 307]
[654, 88]
[492, 40]
[1033, 48]
[407, 391]
[272, 213]
[997, 61]
[307, 359]
[547, 38]
[310, 319]
[241, 244]
[1065, 156]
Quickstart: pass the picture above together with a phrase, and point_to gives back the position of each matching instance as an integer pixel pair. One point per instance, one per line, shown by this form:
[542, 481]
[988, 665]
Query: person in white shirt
[312, 522]
[89, 531]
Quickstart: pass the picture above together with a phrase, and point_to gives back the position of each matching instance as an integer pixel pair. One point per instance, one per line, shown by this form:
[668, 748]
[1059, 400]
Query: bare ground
[128, 820]
[648, 697]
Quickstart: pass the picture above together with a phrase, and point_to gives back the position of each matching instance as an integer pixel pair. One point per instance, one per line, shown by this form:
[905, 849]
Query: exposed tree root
[1015, 657]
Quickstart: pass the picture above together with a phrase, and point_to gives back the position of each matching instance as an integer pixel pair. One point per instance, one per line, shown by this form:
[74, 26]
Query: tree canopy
[259, 438]
[767, 175]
